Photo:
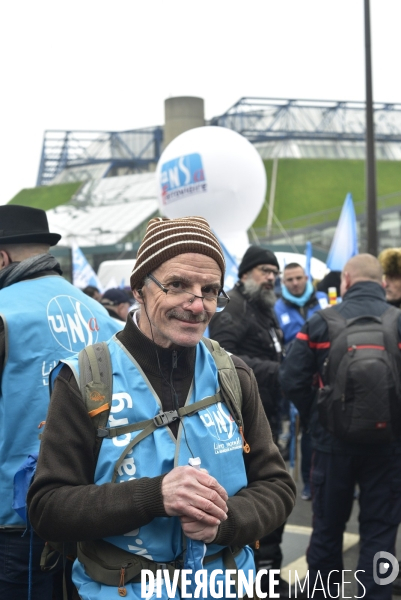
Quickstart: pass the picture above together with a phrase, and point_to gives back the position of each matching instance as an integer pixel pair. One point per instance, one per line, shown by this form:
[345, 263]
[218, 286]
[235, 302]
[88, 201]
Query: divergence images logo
[72, 323]
[384, 568]
[182, 177]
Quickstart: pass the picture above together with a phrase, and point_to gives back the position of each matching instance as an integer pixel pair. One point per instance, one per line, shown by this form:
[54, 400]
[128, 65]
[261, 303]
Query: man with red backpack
[354, 349]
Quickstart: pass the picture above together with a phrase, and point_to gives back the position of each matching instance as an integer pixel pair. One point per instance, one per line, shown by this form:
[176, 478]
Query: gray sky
[86, 64]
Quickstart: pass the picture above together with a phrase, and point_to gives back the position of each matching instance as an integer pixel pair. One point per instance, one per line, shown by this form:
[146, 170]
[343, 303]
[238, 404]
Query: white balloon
[215, 173]
[236, 243]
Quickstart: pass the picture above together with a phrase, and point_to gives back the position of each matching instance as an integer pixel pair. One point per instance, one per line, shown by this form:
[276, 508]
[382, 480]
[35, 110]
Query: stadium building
[99, 187]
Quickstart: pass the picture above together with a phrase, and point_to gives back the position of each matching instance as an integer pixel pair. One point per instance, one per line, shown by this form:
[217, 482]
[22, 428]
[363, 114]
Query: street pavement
[296, 539]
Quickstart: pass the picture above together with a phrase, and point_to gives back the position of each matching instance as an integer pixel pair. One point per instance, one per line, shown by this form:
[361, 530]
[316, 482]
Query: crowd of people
[139, 397]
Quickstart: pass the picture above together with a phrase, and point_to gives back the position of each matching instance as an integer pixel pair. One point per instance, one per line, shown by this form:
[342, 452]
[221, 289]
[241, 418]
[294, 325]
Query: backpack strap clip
[102, 432]
[165, 418]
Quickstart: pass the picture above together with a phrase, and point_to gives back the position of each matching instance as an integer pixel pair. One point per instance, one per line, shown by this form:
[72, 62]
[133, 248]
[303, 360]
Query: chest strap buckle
[165, 418]
[103, 432]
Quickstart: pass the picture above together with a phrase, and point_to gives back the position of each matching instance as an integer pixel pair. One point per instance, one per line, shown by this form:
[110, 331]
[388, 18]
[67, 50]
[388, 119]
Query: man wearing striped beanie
[184, 248]
[168, 415]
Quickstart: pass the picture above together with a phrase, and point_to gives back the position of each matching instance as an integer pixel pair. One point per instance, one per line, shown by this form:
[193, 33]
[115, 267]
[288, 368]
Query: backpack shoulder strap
[390, 328]
[228, 379]
[335, 321]
[96, 384]
[230, 385]
[336, 324]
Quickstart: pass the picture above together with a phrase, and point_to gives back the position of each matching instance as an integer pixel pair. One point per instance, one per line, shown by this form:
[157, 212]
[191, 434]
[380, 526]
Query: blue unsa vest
[45, 320]
[212, 435]
[289, 316]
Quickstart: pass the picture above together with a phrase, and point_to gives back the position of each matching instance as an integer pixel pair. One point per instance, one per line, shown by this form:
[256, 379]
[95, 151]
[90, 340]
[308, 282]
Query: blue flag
[308, 254]
[231, 275]
[82, 272]
[345, 241]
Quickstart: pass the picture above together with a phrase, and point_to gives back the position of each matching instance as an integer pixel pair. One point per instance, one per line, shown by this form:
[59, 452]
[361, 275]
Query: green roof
[305, 187]
[308, 186]
[46, 196]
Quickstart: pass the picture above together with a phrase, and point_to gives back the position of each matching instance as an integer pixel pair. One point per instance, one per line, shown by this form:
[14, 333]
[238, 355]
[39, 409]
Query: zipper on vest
[174, 366]
[122, 590]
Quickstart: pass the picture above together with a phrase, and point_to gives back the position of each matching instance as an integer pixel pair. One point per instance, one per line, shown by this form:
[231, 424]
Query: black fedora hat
[23, 225]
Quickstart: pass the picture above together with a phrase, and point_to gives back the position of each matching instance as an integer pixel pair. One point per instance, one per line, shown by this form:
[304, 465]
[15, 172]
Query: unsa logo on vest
[219, 422]
[72, 323]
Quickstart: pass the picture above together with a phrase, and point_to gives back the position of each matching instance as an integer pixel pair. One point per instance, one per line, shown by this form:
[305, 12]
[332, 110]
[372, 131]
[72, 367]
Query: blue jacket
[307, 356]
[211, 434]
[45, 319]
[291, 317]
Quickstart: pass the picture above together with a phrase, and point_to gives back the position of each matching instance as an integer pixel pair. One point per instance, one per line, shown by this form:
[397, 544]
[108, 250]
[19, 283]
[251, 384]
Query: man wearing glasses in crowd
[160, 365]
[248, 328]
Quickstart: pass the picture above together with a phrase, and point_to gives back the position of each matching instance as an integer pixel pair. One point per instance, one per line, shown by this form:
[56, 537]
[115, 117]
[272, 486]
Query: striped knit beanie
[166, 238]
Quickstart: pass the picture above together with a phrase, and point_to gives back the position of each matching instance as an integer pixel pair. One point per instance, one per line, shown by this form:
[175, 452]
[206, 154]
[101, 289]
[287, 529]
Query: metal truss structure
[269, 119]
[313, 128]
[80, 155]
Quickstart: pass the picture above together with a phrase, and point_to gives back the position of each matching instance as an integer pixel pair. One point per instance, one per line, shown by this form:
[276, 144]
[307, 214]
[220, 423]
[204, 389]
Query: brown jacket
[65, 504]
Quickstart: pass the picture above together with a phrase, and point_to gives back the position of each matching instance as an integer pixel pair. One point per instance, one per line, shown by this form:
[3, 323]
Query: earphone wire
[169, 383]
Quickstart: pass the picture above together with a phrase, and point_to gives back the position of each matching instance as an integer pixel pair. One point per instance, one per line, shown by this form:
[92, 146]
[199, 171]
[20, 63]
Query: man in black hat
[248, 328]
[43, 319]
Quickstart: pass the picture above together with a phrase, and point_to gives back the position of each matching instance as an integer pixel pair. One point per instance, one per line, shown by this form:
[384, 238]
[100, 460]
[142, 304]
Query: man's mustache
[182, 315]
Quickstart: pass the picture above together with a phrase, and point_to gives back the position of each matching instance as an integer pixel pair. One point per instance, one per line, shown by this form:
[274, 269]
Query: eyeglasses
[215, 300]
[268, 271]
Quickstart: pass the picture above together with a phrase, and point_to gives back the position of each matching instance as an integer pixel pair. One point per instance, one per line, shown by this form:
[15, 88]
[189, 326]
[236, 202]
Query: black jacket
[249, 332]
[306, 358]
[396, 303]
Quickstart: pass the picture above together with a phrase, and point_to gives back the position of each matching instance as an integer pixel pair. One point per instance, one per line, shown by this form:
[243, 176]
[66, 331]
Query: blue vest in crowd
[290, 319]
[45, 320]
[212, 435]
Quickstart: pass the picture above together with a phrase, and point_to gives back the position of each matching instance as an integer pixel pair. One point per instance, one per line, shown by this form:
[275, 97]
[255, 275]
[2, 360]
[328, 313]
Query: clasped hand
[198, 499]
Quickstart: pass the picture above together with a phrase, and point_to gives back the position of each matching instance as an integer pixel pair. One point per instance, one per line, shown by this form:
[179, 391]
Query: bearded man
[248, 326]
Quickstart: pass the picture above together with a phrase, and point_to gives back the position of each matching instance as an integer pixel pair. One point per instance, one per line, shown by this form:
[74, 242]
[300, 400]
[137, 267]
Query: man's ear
[4, 259]
[347, 280]
[138, 295]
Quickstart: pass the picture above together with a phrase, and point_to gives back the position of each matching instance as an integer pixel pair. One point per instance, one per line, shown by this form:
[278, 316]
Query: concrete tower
[180, 114]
